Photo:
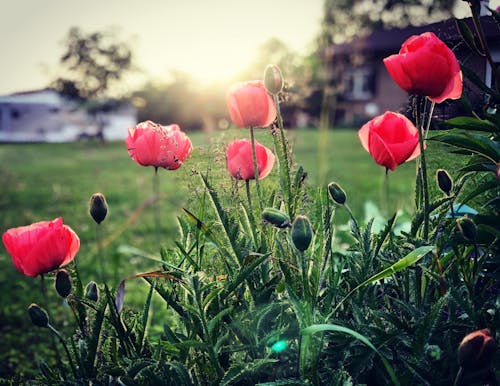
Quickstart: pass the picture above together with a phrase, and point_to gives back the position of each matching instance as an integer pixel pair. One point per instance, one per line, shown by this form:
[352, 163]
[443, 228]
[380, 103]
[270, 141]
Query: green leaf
[399, 265]
[472, 76]
[336, 328]
[475, 143]
[470, 123]
[244, 272]
[467, 35]
[480, 189]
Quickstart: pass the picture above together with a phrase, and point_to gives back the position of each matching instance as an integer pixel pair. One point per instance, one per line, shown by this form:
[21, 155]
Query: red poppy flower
[250, 105]
[391, 139]
[41, 247]
[426, 66]
[151, 144]
[477, 350]
[240, 161]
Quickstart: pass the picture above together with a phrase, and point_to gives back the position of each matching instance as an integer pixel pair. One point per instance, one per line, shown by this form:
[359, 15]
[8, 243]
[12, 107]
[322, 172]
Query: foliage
[92, 64]
[251, 303]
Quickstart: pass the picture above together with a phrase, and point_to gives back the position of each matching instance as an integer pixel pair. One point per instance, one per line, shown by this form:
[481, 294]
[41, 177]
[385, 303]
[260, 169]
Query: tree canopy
[92, 63]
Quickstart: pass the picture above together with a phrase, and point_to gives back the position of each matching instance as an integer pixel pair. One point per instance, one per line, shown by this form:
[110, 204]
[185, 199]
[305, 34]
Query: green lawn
[44, 181]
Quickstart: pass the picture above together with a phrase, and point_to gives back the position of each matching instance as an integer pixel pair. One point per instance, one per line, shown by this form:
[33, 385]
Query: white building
[45, 116]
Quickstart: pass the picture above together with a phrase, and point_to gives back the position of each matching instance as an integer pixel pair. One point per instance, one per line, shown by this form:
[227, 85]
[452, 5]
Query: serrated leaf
[315, 328]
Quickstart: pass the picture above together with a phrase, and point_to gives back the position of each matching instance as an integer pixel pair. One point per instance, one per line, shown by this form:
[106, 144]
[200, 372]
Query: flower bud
[337, 194]
[444, 181]
[98, 207]
[477, 349]
[467, 228]
[38, 315]
[275, 217]
[273, 80]
[302, 233]
[91, 291]
[63, 283]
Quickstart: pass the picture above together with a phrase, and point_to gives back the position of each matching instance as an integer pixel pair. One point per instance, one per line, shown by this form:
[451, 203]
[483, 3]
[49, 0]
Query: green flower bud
[98, 207]
[63, 283]
[467, 228]
[273, 80]
[302, 233]
[38, 315]
[444, 181]
[477, 349]
[275, 217]
[337, 194]
[91, 291]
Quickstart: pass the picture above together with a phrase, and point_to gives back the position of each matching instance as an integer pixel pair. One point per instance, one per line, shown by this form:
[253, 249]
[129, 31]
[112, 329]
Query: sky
[210, 39]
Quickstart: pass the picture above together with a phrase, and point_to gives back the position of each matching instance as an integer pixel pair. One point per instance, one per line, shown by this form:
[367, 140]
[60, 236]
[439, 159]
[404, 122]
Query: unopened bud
[273, 80]
[302, 233]
[336, 193]
[91, 291]
[444, 181]
[98, 207]
[63, 283]
[275, 217]
[477, 349]
[467, 228]
[38, 315]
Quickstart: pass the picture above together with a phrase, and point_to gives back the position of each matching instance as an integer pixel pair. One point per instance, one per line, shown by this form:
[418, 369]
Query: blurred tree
[90, 67]
[91, 64]
[181, 101]
[345, 19]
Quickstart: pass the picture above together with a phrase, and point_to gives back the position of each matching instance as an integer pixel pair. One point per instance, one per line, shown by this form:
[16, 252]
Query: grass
[44, 181]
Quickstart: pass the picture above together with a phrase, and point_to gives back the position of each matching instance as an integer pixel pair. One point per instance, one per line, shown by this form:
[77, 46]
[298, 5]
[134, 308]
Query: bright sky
[210, 39]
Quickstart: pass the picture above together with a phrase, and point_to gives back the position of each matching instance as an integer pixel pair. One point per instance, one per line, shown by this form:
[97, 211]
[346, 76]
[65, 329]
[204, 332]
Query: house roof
[44, 96]
[385, 40]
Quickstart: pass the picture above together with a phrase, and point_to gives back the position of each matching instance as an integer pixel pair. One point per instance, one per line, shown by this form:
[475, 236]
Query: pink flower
[240, 161]
[41, 247]
[151, 144]
[426, 66]
[391, 139]
[250, 105]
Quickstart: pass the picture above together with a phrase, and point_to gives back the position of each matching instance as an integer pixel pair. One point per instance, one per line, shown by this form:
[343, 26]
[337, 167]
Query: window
[359, 84]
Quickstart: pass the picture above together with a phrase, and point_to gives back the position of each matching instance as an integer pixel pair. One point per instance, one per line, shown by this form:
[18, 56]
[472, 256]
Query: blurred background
[75, 75]
[75, 70]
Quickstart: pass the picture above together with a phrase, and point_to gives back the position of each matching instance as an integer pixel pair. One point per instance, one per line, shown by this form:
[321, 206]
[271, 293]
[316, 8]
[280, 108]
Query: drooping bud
[98, 207]
[63, 283]
[91, 291]
[276, 217]
[467, 228]
[444, 181]
[302, 233]
[477, 349]
[337, 194]
[273, 79]
[38, 315]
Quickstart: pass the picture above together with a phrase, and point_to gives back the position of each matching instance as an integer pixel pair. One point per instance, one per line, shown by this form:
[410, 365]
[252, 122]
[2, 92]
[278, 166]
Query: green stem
[284, 162]
[61, 339]
[305, 282]
[156, 193]
[43, 288]
[100, 264]
[385, 199]
[423, 172]
[255, 167]
[249, 196]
